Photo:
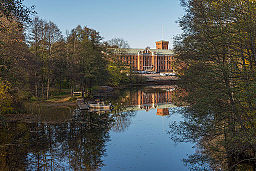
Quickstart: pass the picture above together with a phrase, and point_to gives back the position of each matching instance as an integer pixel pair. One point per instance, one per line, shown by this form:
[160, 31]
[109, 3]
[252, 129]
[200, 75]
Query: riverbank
[30, 109]
[64, 101]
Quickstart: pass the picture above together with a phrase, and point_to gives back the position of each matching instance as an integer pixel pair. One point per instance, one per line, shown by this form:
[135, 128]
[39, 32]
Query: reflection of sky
[62, 163]
[145, 145]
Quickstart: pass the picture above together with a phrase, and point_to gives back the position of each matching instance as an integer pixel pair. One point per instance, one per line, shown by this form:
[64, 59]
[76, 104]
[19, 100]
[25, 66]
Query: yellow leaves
[223, 3]
[5, 97]
[247, 62]
[4, 87]
[10, 31]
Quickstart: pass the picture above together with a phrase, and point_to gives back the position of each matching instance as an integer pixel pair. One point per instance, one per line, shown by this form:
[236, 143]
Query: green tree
[44, 41]
[218, 45]
[86, 57]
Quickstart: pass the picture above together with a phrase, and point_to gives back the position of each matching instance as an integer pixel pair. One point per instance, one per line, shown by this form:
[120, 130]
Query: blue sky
[139, 22]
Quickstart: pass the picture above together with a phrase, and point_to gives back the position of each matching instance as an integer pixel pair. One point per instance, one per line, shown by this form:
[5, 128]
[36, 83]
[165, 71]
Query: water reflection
[157, 97]
[78, 144]
[65, 138]
[223, 131]
[163, 112]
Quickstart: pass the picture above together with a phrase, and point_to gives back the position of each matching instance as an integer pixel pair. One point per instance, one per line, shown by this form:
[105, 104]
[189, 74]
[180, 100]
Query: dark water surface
[133, 136]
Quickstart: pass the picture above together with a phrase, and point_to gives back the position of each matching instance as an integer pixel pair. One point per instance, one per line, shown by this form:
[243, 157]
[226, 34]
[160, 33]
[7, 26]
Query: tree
[14, 9]
[87, 61]
[15, 62]
[5, 97]
[118, 69]
[118, 42]
[218, 44]
[44, 38]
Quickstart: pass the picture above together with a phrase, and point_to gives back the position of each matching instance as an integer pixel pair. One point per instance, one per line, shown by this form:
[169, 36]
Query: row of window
[135, 57]
[160, 63]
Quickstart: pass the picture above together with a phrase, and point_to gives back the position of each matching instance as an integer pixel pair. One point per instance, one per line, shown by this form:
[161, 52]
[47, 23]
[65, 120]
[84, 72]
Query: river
[135, 135]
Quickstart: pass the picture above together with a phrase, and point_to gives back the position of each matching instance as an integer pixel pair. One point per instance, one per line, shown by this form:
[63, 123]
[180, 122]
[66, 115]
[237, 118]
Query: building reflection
[162, 112]
[64, 138]
[149, 99]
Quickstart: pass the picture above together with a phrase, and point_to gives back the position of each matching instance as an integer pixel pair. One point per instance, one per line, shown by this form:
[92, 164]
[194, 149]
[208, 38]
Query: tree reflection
[76, 142]
[122, 120]
[62, 140]
[120, 115]
[224, 131]
[77, 145]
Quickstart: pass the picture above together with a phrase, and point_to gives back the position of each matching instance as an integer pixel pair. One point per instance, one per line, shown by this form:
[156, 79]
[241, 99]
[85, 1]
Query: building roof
[131, 51]
[162, 41]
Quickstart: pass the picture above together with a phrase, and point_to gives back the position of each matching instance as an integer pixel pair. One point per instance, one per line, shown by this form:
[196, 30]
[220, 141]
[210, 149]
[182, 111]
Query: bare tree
[118, 42]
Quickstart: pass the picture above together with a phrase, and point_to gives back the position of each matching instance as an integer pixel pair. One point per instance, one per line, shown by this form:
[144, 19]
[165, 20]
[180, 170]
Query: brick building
[160, 59]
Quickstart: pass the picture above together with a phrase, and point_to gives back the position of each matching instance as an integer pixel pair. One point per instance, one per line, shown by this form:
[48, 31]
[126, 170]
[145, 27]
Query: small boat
[100, 106]
[93, 106]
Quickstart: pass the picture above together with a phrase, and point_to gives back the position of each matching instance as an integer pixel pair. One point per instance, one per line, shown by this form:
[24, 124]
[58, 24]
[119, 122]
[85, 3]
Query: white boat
[97, 106]
[100, 105]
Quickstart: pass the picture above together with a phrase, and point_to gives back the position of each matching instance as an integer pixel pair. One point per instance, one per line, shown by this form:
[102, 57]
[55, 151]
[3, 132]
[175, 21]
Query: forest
[38, 61]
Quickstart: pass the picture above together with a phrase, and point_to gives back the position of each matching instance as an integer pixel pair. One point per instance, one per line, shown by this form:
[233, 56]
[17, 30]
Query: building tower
[162, 44]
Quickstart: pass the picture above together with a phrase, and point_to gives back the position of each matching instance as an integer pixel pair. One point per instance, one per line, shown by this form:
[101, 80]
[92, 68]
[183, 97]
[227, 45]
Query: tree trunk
[71, 91]
[83, 92]
[42, 90]
[48, 88]
[36, 93]
[60, 87]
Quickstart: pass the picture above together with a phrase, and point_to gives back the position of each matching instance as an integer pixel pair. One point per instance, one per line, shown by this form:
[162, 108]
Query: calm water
[133, 136]
[146, 145]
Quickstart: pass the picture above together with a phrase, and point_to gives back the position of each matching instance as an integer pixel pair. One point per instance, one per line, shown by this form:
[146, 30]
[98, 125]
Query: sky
[140, 22]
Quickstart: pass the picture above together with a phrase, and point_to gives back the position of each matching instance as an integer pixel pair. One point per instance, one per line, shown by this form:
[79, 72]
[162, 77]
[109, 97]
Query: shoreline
[64, 101]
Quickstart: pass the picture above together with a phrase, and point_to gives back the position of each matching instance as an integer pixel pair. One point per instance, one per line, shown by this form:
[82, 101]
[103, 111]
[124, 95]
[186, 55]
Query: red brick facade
[158, 60]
